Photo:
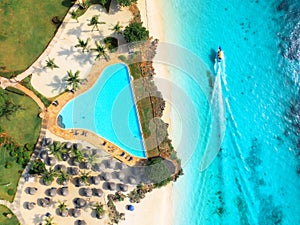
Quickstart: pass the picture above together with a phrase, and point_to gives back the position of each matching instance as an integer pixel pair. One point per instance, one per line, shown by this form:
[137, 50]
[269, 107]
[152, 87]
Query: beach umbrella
[52, 191]
[76, 213]
[121, 175]
[30, 205]
[68, 145]
[73, 171]
[112, 186]
[81, 222]
[45, 202]
[87, 192]
[110, 164]
[80, 202]
[132, 180]
[48, 141]
[65, 156]
[106, 176]
[64, 213]
[60, 167]
[95, 179]
[130, 207]
[64, 191]
[32, 190]
[51, 161]
[77, 146]
[123, 187]
[44, 154]
[98, 192]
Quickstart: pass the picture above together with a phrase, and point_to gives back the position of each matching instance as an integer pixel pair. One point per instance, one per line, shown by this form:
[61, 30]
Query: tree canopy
[126, 2]
[7, 107]
[135, 32]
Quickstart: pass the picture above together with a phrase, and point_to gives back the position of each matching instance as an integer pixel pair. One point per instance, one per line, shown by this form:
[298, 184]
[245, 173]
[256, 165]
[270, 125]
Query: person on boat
[220, 54]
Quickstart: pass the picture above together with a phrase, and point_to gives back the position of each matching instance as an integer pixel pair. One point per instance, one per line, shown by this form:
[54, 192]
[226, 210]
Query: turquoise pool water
[108, 109]
[255, 177]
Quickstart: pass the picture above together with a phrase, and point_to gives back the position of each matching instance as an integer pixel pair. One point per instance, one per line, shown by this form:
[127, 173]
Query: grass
[24, 126]
[26, 29]
[6, 221]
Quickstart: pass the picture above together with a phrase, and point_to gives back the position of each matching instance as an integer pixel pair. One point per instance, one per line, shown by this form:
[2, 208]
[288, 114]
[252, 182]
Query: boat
[220, 55]
[220, 61]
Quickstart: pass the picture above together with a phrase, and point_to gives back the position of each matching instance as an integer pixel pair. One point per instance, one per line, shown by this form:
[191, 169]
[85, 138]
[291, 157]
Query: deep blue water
[255, 178]
[108, 110]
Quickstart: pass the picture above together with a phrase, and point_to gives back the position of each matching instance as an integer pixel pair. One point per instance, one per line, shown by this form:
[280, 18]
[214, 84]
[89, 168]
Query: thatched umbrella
[77, 146]
[73, 171]
[43, 154]
[132, 180]
[112, 186]
[79, 182]
[30, 205]
[76, 212]
[123, 187]
[111, 164]
[95, 179]
[52, 191]
[102, 166]
[98, 192]
[106, 176]
[87, 192]
[121, 175]
[32, 190]
[48, 141]
[80, 202]
[51, 161]
[60, 167]
[45, 202]
[64, 213]
[64, 191]
[81, 222]
[68, 145]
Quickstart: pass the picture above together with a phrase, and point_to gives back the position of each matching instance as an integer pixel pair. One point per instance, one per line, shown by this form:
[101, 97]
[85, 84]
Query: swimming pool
[108, 109]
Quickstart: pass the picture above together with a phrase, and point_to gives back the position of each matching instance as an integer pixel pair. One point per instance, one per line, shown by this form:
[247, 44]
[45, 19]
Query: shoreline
[157, 204]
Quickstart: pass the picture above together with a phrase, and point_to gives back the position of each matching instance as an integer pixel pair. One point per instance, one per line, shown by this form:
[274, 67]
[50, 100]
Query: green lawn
[6, 221]
[26, 29]
[23, 127]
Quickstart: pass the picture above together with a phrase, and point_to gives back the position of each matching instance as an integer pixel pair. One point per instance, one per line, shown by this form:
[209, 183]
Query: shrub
[10, 192]
[8, 164]
[135, 32]
[111, 43]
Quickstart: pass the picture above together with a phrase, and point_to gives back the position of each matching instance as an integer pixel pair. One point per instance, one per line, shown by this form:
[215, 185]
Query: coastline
[156, 208]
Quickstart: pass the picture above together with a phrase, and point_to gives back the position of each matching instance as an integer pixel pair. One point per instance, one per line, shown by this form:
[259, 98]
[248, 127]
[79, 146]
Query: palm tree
[57, 150]
[50, 64]
[117, 28]
[74, 15]
[48, 176]
[94, 22]
[92, 159]
[84, 177]
[98, 207]
[62, 208]
[82, 44]
[78, 156]
[73, 80]
[63, 177]
[49, 221]
[101, 51]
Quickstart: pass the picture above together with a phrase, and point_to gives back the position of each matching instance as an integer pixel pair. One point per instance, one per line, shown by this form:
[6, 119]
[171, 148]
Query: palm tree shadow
[66, 52]
[58, 84]
[38, 218]
[114, 7]
[76, 31]
[83, 58]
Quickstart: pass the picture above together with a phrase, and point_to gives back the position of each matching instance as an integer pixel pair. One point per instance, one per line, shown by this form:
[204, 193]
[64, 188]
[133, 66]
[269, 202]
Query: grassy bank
[26, 29]
[4, 220]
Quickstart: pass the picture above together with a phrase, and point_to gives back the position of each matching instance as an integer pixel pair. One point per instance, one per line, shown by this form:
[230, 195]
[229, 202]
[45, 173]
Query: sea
[238, 135]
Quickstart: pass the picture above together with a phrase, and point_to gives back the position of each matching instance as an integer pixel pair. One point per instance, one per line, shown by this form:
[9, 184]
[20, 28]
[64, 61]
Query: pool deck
[52, 112]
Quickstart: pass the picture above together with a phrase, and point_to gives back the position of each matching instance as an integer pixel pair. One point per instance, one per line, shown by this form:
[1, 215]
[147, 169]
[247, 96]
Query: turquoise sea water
[108, 109]
[255, 177]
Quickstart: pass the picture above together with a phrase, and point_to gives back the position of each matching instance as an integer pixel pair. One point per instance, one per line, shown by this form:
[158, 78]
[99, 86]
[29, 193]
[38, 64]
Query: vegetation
[51, 64]
[26, 82]
[135, 32]
[49, 221]
[21, 47]
[111, 43]
[48, 176]
[37, 167]
[73, 80]
[7, 217]
[62, 207]
[63, 177]
[139, 193]
[7, 106]
[99, 210]
[82, 44]
[95, 22]
[117, 28]
[57, 149]
[126, 2]
[101, 51]
[84, 177]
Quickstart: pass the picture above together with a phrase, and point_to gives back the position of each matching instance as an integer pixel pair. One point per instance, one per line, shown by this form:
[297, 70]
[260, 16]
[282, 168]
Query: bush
[135, 32]
[111, 43]
[123, 58]
[8, 164]
[10, 192]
